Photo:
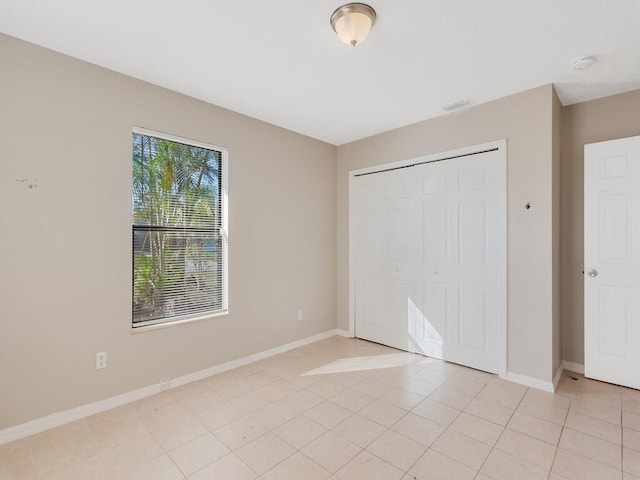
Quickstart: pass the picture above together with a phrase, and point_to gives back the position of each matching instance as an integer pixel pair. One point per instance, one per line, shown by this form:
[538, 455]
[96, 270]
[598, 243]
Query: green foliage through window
[178, 248]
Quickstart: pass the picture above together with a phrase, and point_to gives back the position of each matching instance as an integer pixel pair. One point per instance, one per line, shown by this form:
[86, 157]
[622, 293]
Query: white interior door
[429, 253]
[612, 261]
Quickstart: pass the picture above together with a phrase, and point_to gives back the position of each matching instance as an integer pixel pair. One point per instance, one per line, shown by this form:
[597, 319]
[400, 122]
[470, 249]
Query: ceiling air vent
[582, 62]
[457, 106]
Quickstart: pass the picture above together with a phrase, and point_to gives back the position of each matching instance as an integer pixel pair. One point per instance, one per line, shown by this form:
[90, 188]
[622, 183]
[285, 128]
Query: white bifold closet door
[383, 257]
[429, 258]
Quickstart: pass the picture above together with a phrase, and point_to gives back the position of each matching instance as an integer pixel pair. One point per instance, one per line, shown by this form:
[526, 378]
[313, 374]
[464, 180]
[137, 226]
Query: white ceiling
[280, 61]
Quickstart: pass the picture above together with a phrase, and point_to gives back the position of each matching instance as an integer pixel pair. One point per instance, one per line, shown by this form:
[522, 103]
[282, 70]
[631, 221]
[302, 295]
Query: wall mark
[32, 183]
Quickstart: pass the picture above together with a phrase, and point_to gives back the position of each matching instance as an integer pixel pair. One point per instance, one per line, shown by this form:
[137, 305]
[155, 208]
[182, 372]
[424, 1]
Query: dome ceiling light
[352, 22]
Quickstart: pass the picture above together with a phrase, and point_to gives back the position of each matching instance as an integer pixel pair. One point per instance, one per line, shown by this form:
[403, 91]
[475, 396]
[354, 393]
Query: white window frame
[224, 235]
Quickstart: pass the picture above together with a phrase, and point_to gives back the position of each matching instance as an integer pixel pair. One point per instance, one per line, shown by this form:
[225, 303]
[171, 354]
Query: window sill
[174, 323]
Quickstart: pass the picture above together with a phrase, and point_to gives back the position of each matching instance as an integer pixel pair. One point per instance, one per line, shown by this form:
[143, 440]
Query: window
[179, 229]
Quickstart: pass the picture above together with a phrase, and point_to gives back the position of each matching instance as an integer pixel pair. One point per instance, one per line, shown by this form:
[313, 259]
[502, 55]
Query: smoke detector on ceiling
[457, 106]
[581, 63]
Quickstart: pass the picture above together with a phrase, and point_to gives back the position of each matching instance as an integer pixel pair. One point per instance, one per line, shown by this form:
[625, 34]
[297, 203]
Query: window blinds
[179, 247]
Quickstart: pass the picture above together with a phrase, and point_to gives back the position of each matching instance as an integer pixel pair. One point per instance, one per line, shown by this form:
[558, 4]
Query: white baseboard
[216, 369]
[344, 333]
[67, 416]
[573, 367]
[557, 376]
[530, 381]
[541, 384]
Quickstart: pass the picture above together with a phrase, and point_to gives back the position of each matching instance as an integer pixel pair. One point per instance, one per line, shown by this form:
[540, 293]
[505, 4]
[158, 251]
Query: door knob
[592, 273]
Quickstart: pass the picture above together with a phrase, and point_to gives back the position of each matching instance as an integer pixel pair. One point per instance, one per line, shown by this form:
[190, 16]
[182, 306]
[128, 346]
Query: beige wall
[65, 279]
[595, 121]
[525, 120]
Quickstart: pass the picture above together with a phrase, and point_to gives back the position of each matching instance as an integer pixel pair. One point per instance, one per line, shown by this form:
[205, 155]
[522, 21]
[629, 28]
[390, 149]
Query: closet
[428, 253]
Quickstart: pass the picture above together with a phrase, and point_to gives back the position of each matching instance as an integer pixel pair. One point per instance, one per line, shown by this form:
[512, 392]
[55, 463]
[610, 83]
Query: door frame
[501, 146]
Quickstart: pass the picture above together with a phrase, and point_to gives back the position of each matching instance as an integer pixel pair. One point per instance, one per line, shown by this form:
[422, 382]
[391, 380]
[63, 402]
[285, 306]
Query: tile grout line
[555, 456]
[429, 446]
[406, 472]
[506, 427]
[622, 435]
[448, 426]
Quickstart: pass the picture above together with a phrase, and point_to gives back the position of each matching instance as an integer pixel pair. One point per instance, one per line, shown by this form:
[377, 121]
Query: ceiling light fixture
[352, 22]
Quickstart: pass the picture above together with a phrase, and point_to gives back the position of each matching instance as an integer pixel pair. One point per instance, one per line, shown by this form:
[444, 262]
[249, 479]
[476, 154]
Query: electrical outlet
[300, 315]
[101, 360]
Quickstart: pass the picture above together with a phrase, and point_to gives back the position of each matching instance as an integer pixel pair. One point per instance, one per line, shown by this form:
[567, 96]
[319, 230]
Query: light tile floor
[369, 412]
